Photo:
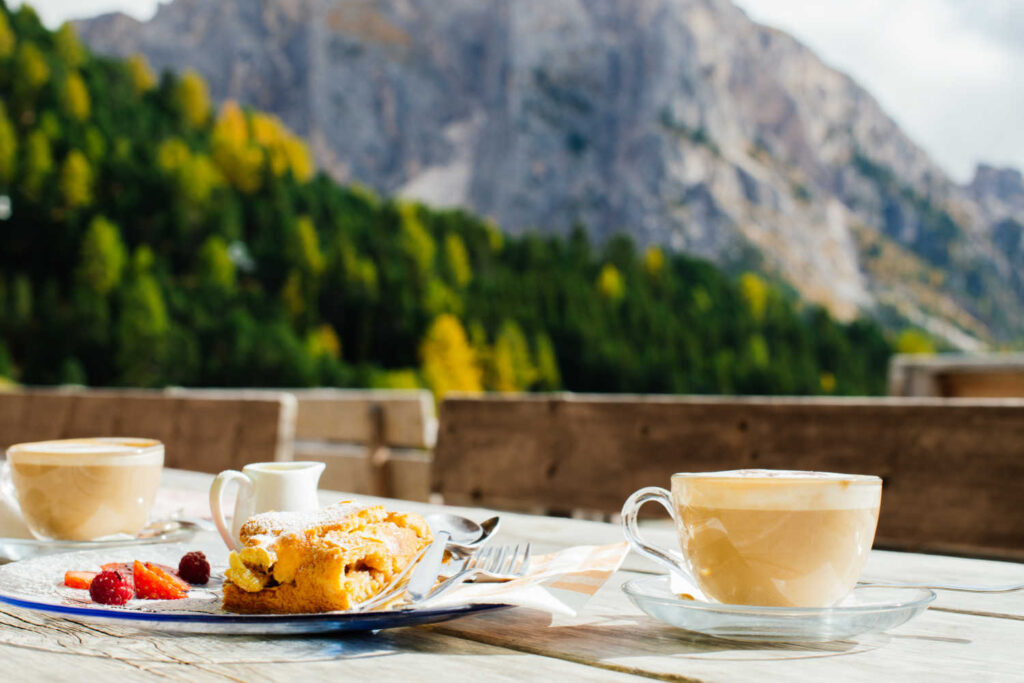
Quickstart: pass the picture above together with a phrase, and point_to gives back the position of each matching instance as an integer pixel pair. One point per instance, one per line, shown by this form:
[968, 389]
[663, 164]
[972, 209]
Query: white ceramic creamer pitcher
[264, 487]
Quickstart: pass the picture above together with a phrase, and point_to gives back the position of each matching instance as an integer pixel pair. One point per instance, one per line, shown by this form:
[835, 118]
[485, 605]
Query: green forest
[154, 238]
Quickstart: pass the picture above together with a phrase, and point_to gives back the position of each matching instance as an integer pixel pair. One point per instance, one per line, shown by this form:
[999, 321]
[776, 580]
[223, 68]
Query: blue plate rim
[270, 619]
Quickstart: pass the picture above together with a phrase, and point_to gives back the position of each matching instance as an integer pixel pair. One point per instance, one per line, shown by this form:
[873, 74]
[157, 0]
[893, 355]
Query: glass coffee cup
[765, 537]
[84, 489]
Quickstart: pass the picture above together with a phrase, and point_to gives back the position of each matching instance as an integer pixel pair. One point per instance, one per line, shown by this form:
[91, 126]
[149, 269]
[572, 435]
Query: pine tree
[75, 97]
[8, 144]
[101, 257]
[67, 46]
[141, 74]
[76, 180]
[193, 99]
[8, 41]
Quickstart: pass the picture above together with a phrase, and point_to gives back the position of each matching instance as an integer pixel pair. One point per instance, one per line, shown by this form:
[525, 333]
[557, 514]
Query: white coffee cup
[264, 487]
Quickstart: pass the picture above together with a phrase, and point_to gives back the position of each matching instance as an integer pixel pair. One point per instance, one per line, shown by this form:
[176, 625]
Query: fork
[396, 588]
[501, 563]
[1008, 588]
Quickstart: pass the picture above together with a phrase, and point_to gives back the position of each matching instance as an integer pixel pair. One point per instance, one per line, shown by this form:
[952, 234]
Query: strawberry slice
[171, 574]
[154, 583]
[80, 580]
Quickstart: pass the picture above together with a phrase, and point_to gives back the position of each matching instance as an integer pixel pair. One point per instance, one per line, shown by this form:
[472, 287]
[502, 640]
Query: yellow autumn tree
[240, 160]
[76, 180]
[292, 295]
[456, 260]
[755, 292]
[549, 377]
[512, 366]
[216, 269]
[414, 240]
[654, 260]
[74, 97]
[284, 151]
[8, 145]
[37, 162]
[447, 360]
[193, 99]
[68, 47]
[610, 284]
[914, 342]
[8, 40]
[140, 73]
[102, 256]
[31, 68]
[323, 341]
[307, 247]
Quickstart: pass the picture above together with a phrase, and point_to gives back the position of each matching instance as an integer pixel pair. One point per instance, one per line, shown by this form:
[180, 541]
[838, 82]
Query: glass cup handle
[631, 529]
[7, 491]
[217, 503]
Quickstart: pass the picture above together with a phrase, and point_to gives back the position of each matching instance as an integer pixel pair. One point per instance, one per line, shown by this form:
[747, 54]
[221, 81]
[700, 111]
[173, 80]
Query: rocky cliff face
[681, 122]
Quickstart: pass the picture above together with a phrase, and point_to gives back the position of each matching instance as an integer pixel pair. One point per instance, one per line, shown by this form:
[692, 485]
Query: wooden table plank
[43, 646]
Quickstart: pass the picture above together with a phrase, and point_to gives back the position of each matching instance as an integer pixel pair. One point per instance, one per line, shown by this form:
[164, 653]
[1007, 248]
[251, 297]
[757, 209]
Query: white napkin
[559, 583]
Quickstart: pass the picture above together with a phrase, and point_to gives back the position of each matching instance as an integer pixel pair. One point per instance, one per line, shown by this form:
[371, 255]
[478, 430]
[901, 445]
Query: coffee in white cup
[766, 537]
[83, 489]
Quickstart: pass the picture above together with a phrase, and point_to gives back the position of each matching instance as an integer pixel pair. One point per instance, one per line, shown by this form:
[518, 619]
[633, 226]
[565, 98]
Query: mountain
[680, 122]
[151, 238]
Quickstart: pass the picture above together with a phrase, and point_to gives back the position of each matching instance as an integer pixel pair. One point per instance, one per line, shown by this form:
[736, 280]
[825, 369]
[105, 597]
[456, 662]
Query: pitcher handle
[630, 510]
[245, 490]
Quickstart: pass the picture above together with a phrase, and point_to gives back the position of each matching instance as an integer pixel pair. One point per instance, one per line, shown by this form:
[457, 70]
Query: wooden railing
[955, 375]
[203, 433]
[373, 442]
[953, 470]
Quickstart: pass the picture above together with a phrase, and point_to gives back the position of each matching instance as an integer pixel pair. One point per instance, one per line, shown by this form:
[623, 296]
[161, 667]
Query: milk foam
[115, 451]
[777, 490]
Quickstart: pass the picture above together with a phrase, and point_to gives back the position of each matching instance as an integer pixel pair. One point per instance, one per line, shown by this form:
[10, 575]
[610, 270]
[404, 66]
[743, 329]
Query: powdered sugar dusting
[263, 528]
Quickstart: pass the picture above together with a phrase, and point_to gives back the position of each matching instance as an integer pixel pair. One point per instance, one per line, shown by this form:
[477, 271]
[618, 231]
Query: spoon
[466, 535]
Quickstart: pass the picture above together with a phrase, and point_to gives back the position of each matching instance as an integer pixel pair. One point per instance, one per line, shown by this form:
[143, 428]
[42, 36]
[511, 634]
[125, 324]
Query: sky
[950, 72]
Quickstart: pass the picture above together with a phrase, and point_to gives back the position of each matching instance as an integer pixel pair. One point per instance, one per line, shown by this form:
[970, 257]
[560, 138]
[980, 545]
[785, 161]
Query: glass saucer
[864, 610]
[168, 531]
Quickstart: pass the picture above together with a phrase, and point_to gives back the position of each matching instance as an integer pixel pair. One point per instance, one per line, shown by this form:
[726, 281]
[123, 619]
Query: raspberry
[153, 583]
[110, 588]
[194, 568]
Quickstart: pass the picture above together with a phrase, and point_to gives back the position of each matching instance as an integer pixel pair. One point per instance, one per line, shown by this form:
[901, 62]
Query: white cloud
[55, 12]
[951, 72]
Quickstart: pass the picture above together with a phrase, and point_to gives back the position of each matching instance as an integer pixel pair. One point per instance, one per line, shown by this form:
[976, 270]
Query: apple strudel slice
[330, 559]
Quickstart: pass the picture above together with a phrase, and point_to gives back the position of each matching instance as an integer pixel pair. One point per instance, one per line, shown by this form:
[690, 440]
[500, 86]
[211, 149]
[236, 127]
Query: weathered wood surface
[208, 434]
[346, 415]
[609, 640]
[953, 375]
[953, 470]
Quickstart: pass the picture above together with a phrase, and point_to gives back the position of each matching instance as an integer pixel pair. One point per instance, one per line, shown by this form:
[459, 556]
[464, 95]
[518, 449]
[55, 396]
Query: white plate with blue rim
[37, 584]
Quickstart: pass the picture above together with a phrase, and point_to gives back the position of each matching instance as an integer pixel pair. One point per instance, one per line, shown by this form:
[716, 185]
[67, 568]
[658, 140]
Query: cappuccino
[774, 537]
[82, 489]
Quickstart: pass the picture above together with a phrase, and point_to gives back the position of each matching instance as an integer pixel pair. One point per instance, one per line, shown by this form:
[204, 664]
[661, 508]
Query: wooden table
[961, 637]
